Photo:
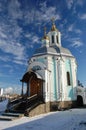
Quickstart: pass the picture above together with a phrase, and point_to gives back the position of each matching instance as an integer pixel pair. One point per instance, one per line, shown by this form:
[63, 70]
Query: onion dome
[53, 28]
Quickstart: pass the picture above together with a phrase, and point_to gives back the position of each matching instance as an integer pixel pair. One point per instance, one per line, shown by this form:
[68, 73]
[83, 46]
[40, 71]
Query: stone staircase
[10, 116]
[23, 106]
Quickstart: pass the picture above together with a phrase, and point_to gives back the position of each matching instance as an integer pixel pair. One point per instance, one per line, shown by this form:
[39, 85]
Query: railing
[33, 101]
[25, 103]
[31, 97]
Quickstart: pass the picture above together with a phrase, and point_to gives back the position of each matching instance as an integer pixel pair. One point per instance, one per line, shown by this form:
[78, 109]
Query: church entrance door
[36, 86]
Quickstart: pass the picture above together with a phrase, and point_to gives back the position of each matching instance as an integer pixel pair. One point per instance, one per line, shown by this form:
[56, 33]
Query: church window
[36, 68]
[68, 78]
[57, 38]
[52, 39]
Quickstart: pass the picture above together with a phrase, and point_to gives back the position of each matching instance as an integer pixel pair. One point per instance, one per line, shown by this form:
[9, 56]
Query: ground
[73, 119]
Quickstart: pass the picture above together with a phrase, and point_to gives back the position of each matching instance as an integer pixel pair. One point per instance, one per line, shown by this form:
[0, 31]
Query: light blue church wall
[54, 78]
[41, 60]
[69, 87]
[54, 83]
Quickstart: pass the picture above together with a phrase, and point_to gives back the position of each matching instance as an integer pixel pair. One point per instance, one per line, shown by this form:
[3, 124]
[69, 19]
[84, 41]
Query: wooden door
[35, 86]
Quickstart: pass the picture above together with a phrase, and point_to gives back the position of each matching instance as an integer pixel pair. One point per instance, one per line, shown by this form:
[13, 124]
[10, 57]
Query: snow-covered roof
[55, 50]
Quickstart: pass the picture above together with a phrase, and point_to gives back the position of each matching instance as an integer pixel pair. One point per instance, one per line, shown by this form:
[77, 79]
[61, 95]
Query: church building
[52, 73]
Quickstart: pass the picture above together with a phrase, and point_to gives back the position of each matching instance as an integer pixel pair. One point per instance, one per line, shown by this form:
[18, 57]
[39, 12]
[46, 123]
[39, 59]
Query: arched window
[68, 79]
[36, 68]
[57, 38]
[52, 39]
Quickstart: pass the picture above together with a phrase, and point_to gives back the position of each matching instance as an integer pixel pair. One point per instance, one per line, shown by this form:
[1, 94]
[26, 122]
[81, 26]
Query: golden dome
[46, 37]
[53, 28]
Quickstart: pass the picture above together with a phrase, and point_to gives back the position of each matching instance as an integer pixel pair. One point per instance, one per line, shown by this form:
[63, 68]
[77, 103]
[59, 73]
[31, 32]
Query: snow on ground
[73, 119]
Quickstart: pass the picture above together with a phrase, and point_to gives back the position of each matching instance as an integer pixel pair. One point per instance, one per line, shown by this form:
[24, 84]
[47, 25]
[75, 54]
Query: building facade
[1, 91]
[52, 72]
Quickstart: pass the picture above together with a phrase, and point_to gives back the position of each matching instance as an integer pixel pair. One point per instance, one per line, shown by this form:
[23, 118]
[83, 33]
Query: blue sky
[21, 30]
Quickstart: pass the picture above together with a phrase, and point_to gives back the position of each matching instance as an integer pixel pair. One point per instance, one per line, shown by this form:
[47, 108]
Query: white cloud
[16, 49]
[70, 28]
[78, 31]
[14, 10]
[77, 43]
[8, 90]
[48, 12]
[12, 88]
[33, 38]
[11, 32]
[83, 16]
[20, 62]
[28, 35]
[2, 35]
[69, 3]
[73, 4]
[43, 5]
[10, 29]
[12, 48]
[5, 58]
[73, 28]
[44, 13]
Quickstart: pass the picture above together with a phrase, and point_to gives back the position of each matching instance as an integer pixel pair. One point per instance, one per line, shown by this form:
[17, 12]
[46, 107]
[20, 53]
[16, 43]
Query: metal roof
[57, 50]
[26, 77]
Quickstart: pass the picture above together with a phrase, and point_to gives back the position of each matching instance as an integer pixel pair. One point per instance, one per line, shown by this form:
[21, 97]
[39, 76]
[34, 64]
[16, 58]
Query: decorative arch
[79, 101]
[35, 63]
[34, 84]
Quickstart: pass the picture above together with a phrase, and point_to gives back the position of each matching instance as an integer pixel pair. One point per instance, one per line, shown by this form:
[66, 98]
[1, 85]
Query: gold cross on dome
[53, 20]
[45, 30]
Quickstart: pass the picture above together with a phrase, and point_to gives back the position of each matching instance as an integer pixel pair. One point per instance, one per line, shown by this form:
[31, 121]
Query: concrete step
[13, 114]
[8, 118]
